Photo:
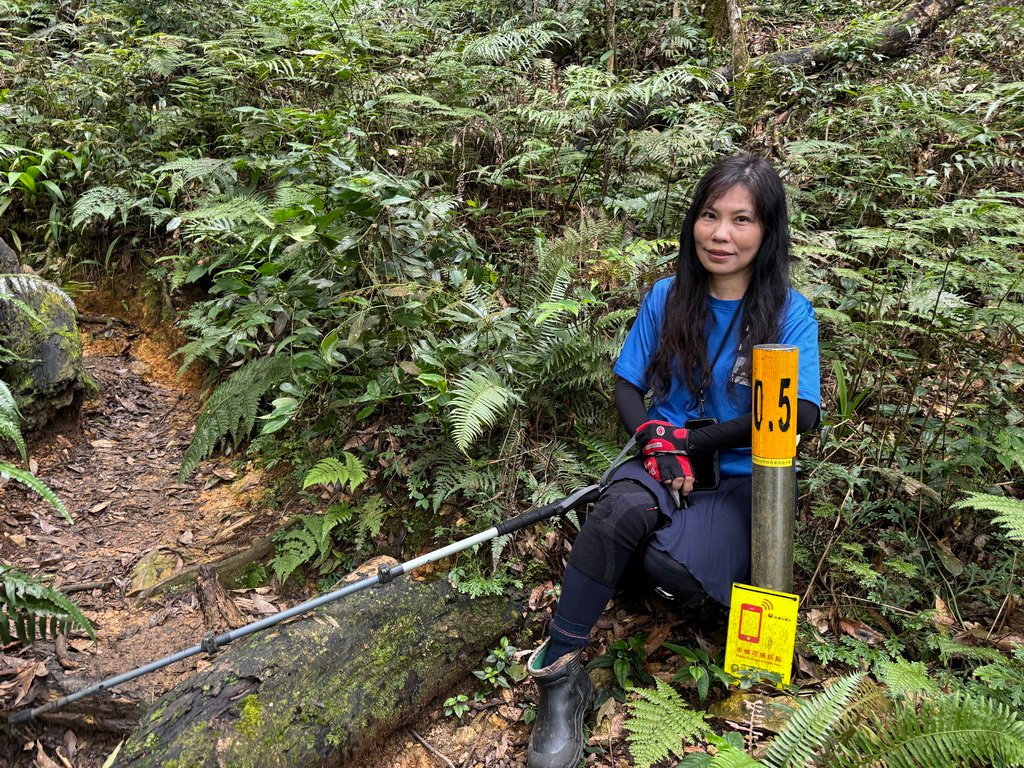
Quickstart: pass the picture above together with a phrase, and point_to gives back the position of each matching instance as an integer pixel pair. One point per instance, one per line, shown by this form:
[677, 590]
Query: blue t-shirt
[799, 328]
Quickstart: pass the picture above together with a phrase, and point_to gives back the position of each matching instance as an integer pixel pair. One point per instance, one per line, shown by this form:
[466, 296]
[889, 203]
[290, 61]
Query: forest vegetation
[404, 241]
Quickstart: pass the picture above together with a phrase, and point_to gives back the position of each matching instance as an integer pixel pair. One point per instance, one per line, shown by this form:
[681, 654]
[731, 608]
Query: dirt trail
[114, 467]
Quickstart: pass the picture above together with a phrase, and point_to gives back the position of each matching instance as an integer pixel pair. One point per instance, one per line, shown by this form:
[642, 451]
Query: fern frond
[813, 725]
[660, 724]
[516, 47]
[901, 677]
[479, 399]
[498, 545]
[102, 202]
[27, 478]
[1010, 511]
[34, 609]
[370, 520]
[311, 541]
[232, 408]
[331, 471]
[953, 731]
[187, 169]
[600, 452]
[295, 547]
[8, 405]
[9, 430]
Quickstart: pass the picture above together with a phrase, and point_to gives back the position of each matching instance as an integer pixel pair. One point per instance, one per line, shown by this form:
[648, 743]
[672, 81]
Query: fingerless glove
[664, 447]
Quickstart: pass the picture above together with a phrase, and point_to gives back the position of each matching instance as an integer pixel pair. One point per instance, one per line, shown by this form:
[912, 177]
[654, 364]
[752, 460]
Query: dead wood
[229, 570]
[323, 689]
[219, 610]
[892, 40]
[118, 712]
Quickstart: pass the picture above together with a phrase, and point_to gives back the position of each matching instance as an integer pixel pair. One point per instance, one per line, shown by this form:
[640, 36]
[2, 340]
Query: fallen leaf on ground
[42, 759]
[657, 636]
[861, 631]
[26, 676]
[817, 619]
[46, 527]
[263, 606]
[70, 742]
[943, 616]
[1009, 643]
[602, 721]
[113, 755]
[541, 596]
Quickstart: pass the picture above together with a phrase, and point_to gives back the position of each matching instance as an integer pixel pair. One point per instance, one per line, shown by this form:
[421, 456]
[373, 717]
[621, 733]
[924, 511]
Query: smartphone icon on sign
[750, 623]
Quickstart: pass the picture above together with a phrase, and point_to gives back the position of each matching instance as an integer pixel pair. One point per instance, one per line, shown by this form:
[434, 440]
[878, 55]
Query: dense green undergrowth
[412, 235]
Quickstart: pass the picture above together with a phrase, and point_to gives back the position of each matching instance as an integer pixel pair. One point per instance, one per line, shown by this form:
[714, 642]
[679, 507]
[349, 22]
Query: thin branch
[431, 749]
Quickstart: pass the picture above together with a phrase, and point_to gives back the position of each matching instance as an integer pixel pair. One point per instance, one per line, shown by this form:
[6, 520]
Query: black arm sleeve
[735, 433]
[629, 401]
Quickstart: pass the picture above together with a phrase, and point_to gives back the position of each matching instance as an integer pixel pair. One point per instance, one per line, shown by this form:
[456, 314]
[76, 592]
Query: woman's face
[727, 234]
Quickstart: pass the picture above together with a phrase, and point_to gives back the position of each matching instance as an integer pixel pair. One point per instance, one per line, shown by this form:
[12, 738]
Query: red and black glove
[664, 449]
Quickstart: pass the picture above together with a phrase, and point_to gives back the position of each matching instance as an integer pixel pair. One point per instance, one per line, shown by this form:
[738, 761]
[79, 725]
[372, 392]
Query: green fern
[34, 610]
[309, 541]
[952, 731]
[10, 428]
[220, 173]
[851, 725]
[28, 479]
[480, 398]
[1010, 511]
[312, 541]
[102, 203]
[661, 724]
[903, 677]
[814, 724]
[232, 408]
[331, 471]
[369, 520]
[728, 756]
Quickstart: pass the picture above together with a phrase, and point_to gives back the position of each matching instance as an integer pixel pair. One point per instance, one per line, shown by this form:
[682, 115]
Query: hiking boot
[565, 694]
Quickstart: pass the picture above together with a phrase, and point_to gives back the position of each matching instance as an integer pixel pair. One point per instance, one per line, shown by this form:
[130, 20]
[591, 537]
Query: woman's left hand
[681, 484]
[664, 449]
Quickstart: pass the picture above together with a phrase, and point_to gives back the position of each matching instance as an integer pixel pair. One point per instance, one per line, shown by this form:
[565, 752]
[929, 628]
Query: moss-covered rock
[40, 349]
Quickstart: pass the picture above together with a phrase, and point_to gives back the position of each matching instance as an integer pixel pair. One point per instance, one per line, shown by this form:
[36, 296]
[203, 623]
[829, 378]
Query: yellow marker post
[773, 502]
[762, 631]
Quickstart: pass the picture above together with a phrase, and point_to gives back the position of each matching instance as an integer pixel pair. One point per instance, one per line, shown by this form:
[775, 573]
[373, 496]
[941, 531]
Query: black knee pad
[613, 532]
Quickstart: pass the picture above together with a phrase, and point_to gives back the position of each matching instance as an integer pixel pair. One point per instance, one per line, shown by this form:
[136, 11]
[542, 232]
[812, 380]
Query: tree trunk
[318, 691]
[610, 10]
[737, 35]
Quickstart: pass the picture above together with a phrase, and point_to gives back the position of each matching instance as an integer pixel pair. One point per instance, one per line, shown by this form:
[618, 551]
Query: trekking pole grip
[579, 498]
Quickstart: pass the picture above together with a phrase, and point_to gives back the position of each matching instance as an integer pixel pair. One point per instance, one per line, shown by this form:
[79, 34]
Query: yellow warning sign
[762, 631]
[774, 369]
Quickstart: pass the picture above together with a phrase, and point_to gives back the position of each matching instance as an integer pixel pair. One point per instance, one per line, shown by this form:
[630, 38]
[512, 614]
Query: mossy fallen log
[890, 39]
[321, 690]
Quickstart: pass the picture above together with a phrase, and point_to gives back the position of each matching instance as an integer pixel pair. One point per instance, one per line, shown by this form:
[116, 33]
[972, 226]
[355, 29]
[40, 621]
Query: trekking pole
[385, 574]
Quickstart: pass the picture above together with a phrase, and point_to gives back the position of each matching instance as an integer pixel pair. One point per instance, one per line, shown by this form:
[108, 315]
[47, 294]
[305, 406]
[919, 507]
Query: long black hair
[682, 345]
